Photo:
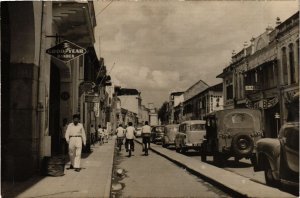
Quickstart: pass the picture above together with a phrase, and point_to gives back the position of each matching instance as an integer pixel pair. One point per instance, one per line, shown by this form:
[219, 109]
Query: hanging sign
[262, 104]
[66, 51]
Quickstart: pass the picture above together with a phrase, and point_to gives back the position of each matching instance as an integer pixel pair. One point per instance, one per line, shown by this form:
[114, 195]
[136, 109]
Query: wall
[130, 102]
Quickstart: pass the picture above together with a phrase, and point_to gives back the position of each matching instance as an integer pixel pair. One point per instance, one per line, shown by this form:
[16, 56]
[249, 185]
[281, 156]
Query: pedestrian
[105, 133]
[130, 131]
[146, 132]
[63, 129]
[75, 136]
[100, 134]
[120, 136]
[93, 134]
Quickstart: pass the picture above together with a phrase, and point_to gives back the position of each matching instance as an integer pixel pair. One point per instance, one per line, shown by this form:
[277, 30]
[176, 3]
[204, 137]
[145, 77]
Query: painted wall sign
[66, 51]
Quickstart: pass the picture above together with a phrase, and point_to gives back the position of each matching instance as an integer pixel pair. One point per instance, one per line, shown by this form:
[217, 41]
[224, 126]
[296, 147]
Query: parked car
[157, 134]
[190, 135]
[232, 133]
[138, 132]
[169, 135]
[279, 157]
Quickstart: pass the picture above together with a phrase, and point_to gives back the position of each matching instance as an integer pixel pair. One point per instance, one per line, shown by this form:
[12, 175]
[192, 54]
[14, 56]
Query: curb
[233, 190]
[108, 183]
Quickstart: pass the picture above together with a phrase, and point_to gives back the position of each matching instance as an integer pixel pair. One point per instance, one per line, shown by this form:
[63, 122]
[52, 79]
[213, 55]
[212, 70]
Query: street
[220, 77]
[155, 176]
[243, 167]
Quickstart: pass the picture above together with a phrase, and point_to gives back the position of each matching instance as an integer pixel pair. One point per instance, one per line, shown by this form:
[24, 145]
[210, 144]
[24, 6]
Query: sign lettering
[66, 51]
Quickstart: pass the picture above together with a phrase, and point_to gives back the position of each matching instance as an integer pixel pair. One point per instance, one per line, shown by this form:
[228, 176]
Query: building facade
[39, 91]
[265, 75]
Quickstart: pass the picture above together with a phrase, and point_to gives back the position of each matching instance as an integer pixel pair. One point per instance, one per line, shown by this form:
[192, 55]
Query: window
[229, 89]
[292, 63]
[197, 127]
[284, 66]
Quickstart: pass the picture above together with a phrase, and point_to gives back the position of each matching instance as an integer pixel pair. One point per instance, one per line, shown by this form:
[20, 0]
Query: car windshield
[197, 127]
[172, 129]
[238, 120]
[159, 129]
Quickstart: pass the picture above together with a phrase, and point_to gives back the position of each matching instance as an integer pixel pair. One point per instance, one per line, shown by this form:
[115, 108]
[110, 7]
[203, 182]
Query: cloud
[159, 46]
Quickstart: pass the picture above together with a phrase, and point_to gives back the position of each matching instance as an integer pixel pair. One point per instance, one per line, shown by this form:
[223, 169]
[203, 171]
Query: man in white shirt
[130, 131]
[120, 136]
[146, 132]
[75, 136]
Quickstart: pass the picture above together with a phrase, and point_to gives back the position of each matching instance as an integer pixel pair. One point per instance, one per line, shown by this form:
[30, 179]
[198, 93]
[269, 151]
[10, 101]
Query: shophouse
[39, 91]
[264, 75]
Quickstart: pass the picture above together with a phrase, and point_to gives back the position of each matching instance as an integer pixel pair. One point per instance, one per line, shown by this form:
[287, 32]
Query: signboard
[91, 99]
[251, 88]
[66, 51]
[262, 104]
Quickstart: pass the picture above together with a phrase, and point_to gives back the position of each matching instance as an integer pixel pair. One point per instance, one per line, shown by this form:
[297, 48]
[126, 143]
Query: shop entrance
[54, 109]
[271, 123]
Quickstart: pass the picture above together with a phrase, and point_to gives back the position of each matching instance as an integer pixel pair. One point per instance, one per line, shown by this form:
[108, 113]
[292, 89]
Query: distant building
[205, 102]
[188, 107]
[153, 116]
[175, 99]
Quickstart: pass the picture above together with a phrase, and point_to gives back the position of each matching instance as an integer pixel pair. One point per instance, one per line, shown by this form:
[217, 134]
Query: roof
[178, 93]
[128, 91]
[196, 84]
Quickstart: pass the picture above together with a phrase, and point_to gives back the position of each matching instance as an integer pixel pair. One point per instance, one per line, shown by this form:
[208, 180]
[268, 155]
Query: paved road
[243, 167]
[155, 176]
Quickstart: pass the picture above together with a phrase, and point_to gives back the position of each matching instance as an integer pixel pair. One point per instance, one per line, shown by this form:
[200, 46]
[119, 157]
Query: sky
[159, 46]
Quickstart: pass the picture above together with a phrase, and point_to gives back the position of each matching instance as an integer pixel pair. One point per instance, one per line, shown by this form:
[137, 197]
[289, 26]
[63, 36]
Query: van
[191, 135]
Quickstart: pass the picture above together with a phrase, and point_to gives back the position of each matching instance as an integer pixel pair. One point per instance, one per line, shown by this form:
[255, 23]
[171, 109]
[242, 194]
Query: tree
[163, 113]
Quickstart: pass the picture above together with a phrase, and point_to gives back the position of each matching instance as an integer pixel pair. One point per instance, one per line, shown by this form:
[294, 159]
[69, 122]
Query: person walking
[100, 135]
[130, 131]
[93, 134]
[146, 132]
[105, 132]
[120, 136]
[75, 136]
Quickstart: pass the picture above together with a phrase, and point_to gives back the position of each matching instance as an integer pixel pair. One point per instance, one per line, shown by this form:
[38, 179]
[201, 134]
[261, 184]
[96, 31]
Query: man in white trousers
[75, 136]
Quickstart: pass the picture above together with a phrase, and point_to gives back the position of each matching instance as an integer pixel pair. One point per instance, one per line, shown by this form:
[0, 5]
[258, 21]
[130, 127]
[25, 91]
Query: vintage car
[190, 135]
[279, 158]
[157, 133]
[169, 136]
[232, 133]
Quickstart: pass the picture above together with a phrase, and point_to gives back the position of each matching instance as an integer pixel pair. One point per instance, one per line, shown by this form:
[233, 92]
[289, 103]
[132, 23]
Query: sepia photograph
[150, 99]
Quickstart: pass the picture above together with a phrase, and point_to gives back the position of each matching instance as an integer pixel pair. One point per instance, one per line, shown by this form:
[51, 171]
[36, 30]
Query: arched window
[284, 66]
[292, 63]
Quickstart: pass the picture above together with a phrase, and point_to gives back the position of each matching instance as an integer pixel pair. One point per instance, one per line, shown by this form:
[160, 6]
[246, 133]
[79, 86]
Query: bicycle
[146, 143]
[119, 143]
[129, 146]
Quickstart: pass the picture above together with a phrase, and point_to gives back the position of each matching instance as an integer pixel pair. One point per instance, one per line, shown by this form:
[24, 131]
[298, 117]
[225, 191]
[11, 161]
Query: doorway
[271, 123]
[54, 109]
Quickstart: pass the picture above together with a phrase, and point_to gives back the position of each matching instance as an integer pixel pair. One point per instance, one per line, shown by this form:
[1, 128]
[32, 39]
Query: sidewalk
[94, 179]
[239, 185]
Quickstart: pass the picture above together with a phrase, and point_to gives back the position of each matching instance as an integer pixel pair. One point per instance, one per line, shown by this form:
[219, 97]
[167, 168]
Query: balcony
[75, 21]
